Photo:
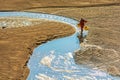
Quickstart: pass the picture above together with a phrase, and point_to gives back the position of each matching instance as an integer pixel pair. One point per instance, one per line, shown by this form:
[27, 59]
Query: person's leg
[81, 32]
[81, 36]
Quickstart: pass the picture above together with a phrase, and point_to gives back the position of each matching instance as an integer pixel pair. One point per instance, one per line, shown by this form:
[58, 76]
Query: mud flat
[22, 4]
[94, 56]
[11, 22]
[104, 32]
[17, 44]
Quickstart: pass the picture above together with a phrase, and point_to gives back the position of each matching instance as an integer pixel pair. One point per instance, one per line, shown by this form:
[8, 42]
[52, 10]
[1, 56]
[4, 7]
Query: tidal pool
[54, 59]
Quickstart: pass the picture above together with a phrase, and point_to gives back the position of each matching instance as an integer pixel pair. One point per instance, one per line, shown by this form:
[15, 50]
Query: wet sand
[104, 32]
[14, 22]
[17, 44]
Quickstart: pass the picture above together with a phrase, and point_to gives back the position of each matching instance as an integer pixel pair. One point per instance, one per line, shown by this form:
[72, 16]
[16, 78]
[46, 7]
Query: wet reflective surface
[54, 60]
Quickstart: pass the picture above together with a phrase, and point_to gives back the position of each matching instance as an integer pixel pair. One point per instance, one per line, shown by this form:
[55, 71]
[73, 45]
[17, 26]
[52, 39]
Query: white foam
[70, 55]
[43, 77]
[52, 52]
[47, 60]
[63, 70]
[98, 73]
[80, 78]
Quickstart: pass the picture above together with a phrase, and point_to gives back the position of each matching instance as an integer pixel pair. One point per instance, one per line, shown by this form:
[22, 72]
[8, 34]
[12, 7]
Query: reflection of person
[81, 25]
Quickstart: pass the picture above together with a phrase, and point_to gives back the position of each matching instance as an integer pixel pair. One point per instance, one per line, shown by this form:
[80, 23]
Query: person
[85, 31]
[81, 25]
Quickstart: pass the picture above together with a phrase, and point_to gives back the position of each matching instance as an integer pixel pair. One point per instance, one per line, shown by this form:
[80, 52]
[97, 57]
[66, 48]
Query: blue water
[54, 59]
[58, 51]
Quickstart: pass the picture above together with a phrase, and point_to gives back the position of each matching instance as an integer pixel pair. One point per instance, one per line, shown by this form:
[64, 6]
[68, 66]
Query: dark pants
[81, 32]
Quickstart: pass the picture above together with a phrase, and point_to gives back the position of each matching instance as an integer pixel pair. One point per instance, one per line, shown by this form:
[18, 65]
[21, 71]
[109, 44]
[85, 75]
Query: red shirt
[82, 23]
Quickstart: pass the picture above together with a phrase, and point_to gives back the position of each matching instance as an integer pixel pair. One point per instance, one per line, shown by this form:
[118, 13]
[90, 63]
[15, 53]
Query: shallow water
[54, 59]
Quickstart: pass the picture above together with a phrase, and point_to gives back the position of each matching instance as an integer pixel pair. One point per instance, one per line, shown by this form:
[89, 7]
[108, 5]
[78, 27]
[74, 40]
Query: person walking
[81, 25]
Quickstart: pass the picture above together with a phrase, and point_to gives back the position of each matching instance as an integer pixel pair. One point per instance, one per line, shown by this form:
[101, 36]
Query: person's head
[82, 20]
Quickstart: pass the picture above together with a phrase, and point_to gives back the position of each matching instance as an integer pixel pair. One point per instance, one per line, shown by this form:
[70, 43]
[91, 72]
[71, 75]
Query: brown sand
[17, 44]
[104, 30]
[26, 4]
[94, 56]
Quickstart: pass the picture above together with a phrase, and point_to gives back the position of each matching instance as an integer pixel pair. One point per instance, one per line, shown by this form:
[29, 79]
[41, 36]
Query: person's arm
[78, 24]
